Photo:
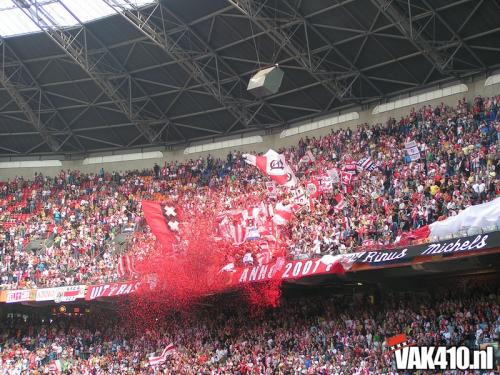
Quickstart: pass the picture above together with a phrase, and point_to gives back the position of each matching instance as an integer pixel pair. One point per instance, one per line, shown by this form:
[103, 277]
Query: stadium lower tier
[332, 329]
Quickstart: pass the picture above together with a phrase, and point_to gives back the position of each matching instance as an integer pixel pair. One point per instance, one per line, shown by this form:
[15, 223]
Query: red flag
[340, 203]
[313, 188]
[155, 217]
[414, 235]
[397, 341]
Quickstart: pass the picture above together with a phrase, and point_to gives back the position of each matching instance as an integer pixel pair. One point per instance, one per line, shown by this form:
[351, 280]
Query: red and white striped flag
[238, 233]
[268, 230]
[158, 360]
[126, 266]
[366, 164]
[340, 203]
[308, 158]
[275, 166]
[251, 213]
[282, 214]
[266, 209]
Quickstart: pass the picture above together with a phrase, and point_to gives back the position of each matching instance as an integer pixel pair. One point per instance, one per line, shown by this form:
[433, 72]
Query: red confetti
[178, 279]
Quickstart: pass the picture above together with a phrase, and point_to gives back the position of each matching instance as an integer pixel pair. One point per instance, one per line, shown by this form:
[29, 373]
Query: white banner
[334, 176]
[326, 184]
[17, 295]
[271, 189]
[412, 150]
[481, 216]
[61, 294]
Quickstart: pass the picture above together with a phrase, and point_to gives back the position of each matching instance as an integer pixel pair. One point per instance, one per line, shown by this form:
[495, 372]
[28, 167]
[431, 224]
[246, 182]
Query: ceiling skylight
[65, 12]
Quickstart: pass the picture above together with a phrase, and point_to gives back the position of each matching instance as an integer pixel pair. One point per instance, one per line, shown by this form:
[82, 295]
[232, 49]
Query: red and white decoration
[272, 190]
[158, 360]
[340, 203]
[238, 233]
[308, 158]
[275, 166]
[283, 214]
[366, 164]
[55, 366]
[126, 266]
[346, 178]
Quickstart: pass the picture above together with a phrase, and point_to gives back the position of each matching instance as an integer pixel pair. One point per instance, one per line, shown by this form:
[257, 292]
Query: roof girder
[11, 81]
[30, 83]
[75, 46]
[163, 39]
[257, 14]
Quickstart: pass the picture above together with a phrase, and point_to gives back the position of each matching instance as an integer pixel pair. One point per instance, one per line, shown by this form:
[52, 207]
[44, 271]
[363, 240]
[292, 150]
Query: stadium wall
[475, 87]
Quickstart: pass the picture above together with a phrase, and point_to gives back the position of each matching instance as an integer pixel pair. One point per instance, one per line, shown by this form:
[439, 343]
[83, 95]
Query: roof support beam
[327, 42]
[143, 22]
[257, 14]
[456, 37]
[11, 78]
[438, 59]
[31, 84]
[75, 46]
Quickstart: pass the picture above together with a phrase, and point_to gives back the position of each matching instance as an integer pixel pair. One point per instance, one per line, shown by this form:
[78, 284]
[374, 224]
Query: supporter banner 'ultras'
[110, 290]
[60, 294]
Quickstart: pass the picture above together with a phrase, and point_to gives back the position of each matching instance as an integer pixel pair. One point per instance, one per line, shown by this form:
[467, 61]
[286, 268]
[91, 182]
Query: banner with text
[111, 290]
[296, 269]
[14, 296]
[447, 248]
[337, 264]
[60, 294]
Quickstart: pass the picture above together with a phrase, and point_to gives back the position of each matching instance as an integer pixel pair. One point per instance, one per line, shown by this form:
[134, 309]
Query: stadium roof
[176, 71]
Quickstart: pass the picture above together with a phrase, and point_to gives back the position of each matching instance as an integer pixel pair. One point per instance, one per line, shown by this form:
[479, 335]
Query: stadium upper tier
[64, 230]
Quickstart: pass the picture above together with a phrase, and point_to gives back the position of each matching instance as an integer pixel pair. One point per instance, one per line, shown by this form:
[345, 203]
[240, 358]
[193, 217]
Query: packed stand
[64, 230]
[314, 335]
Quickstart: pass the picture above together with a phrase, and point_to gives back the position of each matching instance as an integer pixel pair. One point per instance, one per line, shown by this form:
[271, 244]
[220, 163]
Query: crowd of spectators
[306, 335]
[61, 230]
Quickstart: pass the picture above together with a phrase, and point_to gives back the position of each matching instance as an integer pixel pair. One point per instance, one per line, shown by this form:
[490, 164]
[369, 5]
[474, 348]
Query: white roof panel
[64, 13]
